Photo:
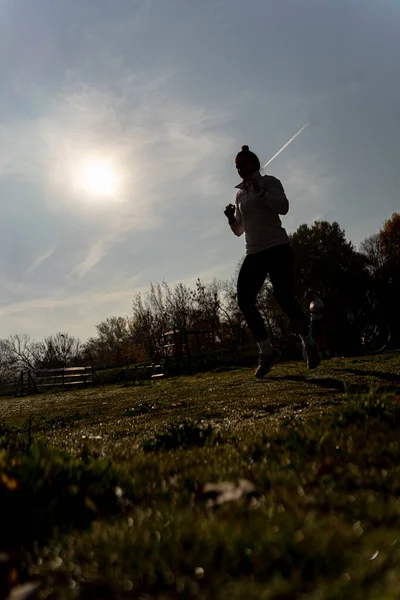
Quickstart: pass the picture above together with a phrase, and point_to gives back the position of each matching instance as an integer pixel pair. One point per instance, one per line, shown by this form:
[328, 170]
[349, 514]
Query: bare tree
[59, 350]
[144, 327]
[162, 308]
[208, 312]
[23, 352]
[372, 249]
[113, 344]
[179, 305]
[231, 311]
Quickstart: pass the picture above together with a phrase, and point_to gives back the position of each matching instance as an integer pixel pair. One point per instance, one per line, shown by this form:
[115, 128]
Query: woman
[318, 325]
[259, 202]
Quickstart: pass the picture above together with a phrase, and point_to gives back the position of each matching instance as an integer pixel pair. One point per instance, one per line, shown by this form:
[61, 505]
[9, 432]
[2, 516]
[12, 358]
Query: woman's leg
[281, 275]
[282, 279]
[317, 333]
[251, 278]
[250, 281]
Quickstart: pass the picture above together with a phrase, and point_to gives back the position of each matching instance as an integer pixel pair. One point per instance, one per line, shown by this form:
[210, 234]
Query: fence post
[18, 385]
[32, 383]
[94, 374]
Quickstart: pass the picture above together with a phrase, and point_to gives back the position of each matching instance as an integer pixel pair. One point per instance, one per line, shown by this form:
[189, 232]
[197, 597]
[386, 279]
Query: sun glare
[98, 178]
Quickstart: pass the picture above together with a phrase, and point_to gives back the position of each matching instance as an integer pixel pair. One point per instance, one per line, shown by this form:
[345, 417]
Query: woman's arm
[237, 225]
[273, 194]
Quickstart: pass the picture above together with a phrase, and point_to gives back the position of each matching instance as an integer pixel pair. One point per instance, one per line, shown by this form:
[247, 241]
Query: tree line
[324, 260]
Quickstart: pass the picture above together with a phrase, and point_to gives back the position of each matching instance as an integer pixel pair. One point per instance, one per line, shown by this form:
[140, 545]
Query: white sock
[265, 347]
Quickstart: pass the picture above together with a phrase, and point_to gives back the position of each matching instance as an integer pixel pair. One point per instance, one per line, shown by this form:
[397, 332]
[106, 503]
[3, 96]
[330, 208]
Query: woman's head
[247, 162]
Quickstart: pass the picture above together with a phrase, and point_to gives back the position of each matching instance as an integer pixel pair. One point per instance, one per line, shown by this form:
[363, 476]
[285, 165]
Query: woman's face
[245, 167]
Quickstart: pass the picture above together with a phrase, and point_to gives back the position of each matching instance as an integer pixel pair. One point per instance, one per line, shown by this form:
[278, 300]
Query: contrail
[286, 145]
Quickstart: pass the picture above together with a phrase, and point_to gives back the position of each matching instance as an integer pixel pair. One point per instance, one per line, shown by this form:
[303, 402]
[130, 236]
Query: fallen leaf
[216, 494]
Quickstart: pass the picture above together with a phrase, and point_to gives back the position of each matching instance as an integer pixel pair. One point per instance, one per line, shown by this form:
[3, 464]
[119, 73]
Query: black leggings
[277, 262]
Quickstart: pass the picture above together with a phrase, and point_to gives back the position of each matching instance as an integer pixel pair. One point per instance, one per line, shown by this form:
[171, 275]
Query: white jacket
[257, 214]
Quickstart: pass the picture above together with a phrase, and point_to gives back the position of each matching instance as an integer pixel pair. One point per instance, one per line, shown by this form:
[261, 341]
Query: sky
[163, 93]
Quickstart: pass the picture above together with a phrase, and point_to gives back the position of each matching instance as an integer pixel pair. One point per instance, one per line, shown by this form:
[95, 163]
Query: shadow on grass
[330, 383]
[378, 374]
[324, 382]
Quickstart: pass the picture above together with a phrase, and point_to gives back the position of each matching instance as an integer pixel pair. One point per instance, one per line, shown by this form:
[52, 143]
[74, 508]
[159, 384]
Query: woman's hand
[229, 212]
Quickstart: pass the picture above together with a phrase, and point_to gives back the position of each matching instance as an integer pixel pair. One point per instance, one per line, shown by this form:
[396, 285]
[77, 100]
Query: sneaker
[311, 355]
[265, 363]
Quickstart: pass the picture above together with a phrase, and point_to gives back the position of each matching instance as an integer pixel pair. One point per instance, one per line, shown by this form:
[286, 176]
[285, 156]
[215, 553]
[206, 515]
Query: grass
[104, 491]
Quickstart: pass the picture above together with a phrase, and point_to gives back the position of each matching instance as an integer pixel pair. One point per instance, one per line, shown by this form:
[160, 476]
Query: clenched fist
[229, 212]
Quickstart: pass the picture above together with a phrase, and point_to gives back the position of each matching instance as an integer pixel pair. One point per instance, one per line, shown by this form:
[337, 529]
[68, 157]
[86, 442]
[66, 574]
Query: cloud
[94, 256]
[76, 312]
[222, 270]
[310, 191]
[41, 259]
[168, 154]
[164, 151]
[64, 300]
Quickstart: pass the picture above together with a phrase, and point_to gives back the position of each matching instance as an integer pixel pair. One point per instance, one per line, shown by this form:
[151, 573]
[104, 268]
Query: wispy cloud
[311, 192]
[41, 259]
[78, 312]
[167, 153]
[98, 251]
[66, 300]
[159, 142]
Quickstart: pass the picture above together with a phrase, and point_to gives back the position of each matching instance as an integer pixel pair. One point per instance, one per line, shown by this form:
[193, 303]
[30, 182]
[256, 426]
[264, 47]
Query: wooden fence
[42, 379]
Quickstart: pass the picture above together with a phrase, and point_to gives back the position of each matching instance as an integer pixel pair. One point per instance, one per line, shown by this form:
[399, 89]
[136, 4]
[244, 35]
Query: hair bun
[245, 149]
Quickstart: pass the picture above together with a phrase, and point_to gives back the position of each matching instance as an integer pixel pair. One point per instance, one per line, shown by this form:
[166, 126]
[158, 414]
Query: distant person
[259, 202]
[318, 322]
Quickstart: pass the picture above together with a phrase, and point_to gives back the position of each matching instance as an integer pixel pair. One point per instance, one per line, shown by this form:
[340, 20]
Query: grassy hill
[210, 486]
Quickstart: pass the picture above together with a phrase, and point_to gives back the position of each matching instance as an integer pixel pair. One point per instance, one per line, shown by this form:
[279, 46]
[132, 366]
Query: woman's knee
[246, 304]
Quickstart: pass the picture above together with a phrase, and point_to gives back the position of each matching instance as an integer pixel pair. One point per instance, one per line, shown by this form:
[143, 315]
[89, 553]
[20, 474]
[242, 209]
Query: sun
[98, 178]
